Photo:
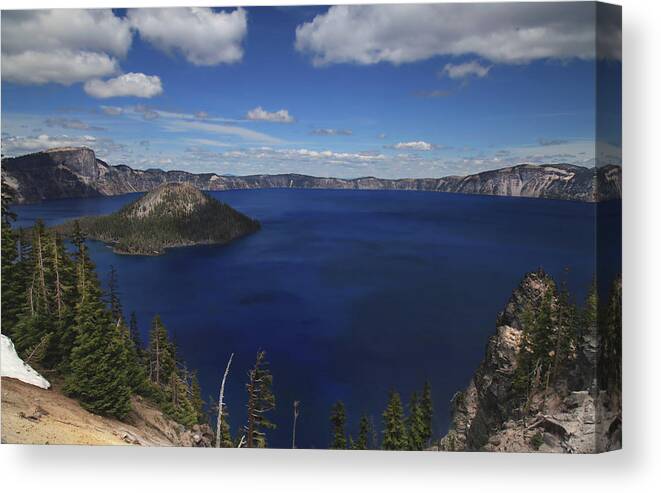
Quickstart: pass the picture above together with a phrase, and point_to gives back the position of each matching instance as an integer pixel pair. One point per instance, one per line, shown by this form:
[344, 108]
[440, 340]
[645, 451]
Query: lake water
[351, 293]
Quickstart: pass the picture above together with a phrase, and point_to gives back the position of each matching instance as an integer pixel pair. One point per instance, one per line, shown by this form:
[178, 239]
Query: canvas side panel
[608, 162]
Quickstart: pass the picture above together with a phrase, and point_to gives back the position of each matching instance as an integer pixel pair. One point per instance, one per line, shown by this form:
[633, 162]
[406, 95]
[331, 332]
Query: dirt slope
[31, 415]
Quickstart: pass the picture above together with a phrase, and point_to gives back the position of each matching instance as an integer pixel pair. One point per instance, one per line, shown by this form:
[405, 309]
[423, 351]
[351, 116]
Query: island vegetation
[173, 215]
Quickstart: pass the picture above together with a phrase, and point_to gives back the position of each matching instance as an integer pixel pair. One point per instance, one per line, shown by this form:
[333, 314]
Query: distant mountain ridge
[75, 172]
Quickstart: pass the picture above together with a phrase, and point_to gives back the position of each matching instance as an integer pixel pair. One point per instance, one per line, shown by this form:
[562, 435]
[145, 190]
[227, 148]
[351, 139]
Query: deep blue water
[351, 293]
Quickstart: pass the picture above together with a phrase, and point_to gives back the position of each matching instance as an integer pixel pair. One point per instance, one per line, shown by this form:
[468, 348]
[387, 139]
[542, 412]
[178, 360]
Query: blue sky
[389, 91]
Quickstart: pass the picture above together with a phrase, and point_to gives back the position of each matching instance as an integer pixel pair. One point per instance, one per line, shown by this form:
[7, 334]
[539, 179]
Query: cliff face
[574, 416]
[75, 172]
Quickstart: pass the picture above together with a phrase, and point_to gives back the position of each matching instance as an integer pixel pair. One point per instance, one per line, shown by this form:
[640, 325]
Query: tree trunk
[220, 402]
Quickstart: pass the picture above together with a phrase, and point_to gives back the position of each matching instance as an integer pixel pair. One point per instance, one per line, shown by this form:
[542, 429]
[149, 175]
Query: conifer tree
[362, 442]
[225, 431]
[136, 372]
[426, 415]
[260, 401]
[160, 354]
[394, 429]
[338, 421]
[134, 331]
[113, 295]
[415, 425]
[610, 328]
[98, 363]
[13, 288]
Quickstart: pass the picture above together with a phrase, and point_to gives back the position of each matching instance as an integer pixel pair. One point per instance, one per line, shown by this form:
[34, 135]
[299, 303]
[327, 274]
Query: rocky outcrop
[76, 172]
[572, 417]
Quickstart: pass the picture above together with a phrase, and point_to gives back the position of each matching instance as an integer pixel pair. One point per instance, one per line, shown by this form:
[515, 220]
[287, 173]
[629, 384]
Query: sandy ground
[31, 415]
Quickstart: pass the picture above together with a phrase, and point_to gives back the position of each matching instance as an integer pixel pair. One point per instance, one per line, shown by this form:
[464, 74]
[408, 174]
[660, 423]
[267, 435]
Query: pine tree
[160, 354]
[338, 421]
[394, 429]
[538, 342]
[113, 294]
[13, 289]
[35, 321]
[63, 273]
[610, 328]
[196, 398]
[136, 372]
[362, 442]
[415, 425]
[566, 330]
[99, 377]
[134, 331]
[260, 401]
[426, 415]
[225, 431]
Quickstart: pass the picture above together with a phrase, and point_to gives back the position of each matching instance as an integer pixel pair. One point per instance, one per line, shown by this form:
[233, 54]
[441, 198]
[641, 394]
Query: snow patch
[11, 365]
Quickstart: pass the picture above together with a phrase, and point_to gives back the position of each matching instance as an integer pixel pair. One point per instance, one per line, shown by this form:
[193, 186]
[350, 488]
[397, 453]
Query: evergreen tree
[394, 429]
[134, 331]
[113, 294]
[35, 321]
[338, 421]
[136, 371]
[196, 398]
[260, 401]
[538, 342]
[362, 442]
[161, 355]
[98, 364]
[610, 348]
[225, 432]
[415, 425]
[13, 287]
[63, 273]
[566, 330]
[426, 415]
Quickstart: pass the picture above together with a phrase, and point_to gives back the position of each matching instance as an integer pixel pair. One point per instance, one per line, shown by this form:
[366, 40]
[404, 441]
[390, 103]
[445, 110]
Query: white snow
[13, 366]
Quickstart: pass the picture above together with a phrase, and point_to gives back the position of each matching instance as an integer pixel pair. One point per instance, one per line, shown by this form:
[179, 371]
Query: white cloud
[70, 123]
[331, 132]
[202, 36]
[62, 45]
[416, 145]
[131, 84]
[112, 110]
[463, 70]
[92, 30]
[213, 128]
[15, 145]
[62, 67]
[499, 32]
[260, 114]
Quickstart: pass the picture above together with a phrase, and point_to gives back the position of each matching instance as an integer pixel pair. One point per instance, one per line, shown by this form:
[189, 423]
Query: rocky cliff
[76, 172]
[573, 415]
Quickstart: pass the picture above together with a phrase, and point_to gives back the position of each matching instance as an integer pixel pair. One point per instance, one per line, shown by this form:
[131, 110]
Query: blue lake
[351, 293]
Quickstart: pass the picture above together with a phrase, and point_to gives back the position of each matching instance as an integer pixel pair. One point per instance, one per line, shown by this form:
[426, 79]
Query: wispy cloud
[260, 114]
[71, 123]
[214, 128]
[331, 132]
[436, 93]
[465, 70]
[415, 145]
